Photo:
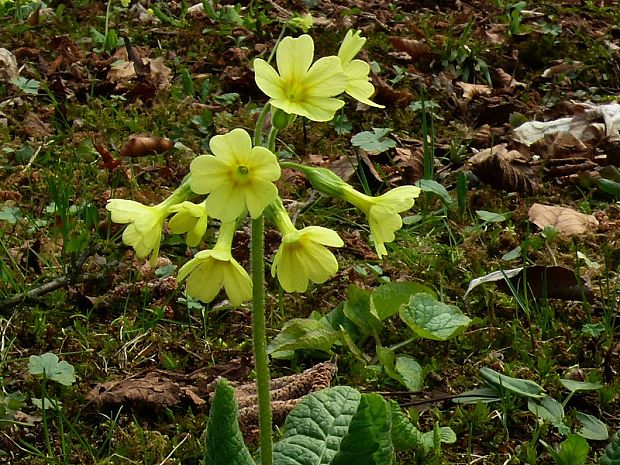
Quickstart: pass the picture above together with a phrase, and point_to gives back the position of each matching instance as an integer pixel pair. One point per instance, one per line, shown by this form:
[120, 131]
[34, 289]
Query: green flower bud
[281, 119]
[323, 180]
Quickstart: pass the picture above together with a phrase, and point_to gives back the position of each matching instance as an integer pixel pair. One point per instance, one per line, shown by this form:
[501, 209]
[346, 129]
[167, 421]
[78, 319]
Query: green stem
[271, 141]
[258, 129]
[260, 344]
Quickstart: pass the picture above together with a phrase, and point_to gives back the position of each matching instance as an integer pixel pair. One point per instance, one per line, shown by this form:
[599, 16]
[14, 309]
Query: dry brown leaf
[562, 68]
[410, 164]
[564, 220]
[141, 146]
[504, 169]
[414, 48]
[472, 90]
[8, 65]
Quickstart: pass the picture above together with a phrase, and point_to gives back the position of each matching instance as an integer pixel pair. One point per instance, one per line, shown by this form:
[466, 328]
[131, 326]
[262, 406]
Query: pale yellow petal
[208, 173]
[291, 277]
[205, 281]
[125, 211]
[263, 164]
[320, 263]
[231, 147]
[226, 203]
[261, 194]
[294, 57]
[400, 198]
[323, 236]
[325, 78]
[267, 79]
[237, 283]
[351, 45]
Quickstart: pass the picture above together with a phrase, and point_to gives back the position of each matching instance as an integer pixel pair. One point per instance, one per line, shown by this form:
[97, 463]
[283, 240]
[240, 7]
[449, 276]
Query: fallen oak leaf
[141, 146]
[472, 90]
[564, 220]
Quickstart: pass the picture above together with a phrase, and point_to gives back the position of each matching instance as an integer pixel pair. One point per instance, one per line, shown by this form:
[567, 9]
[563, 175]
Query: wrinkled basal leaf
[314, 430]
[357, 309]
[612, 452]
[564, 220]
[521, 387]
[410, 371]
[386, 300]
[224, 442]
[432, 319]
[300, 333]
[507, 170]
[338, 320]
[369, 438]
[573, 450]
[55, 370]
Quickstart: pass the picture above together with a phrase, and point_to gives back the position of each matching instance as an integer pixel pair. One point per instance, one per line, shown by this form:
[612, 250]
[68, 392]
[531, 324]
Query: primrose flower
[383, 211]
[300, 87]
[303, 255]
[357, 71]
[237, 176]
[143, 232]
[190, 218]
[210, 270]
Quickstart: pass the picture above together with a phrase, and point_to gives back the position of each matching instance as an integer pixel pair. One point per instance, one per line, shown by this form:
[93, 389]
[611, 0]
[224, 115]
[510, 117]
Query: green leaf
[573, 451]
[301, 333]
[609, 186]
[224, 442]
[369, 438]
[404, 434]
[484, 395]
[357, 309]
[410, 371]
[612, 452]
[548, 409]
[315, 428]
[432, 319]
[49, 403]
[27, 86]
[491, 217]
[521, 387]
[575, 386]
[428, 185]
[337, 320]
[373, 142]
[591, 427]
[432, 439]
[61, 372]
[10, 214]
[386, 300]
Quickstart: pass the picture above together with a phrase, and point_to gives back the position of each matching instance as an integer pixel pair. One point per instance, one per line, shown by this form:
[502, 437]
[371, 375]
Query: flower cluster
[237, 179]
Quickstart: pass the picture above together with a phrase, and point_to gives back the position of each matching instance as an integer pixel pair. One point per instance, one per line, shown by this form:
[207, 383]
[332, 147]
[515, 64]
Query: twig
[73, 276]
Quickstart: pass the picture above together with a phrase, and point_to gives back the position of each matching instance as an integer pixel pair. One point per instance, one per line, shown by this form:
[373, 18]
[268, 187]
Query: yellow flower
[190, 218]
[301, 87]
[303, 255]
[143, 232]
[383, 212]
[210, 270]
[357, 71]
[145, 223]
[237, 176]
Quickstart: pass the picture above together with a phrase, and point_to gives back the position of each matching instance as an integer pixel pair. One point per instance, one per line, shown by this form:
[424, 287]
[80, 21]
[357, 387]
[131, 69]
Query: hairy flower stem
[260, 122]
[260, 344]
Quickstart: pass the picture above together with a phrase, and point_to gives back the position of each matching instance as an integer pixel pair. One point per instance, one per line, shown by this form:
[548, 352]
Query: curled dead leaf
[141, 146]
[472, 90]
[504, 169]
[564, 220]
[414, 48]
